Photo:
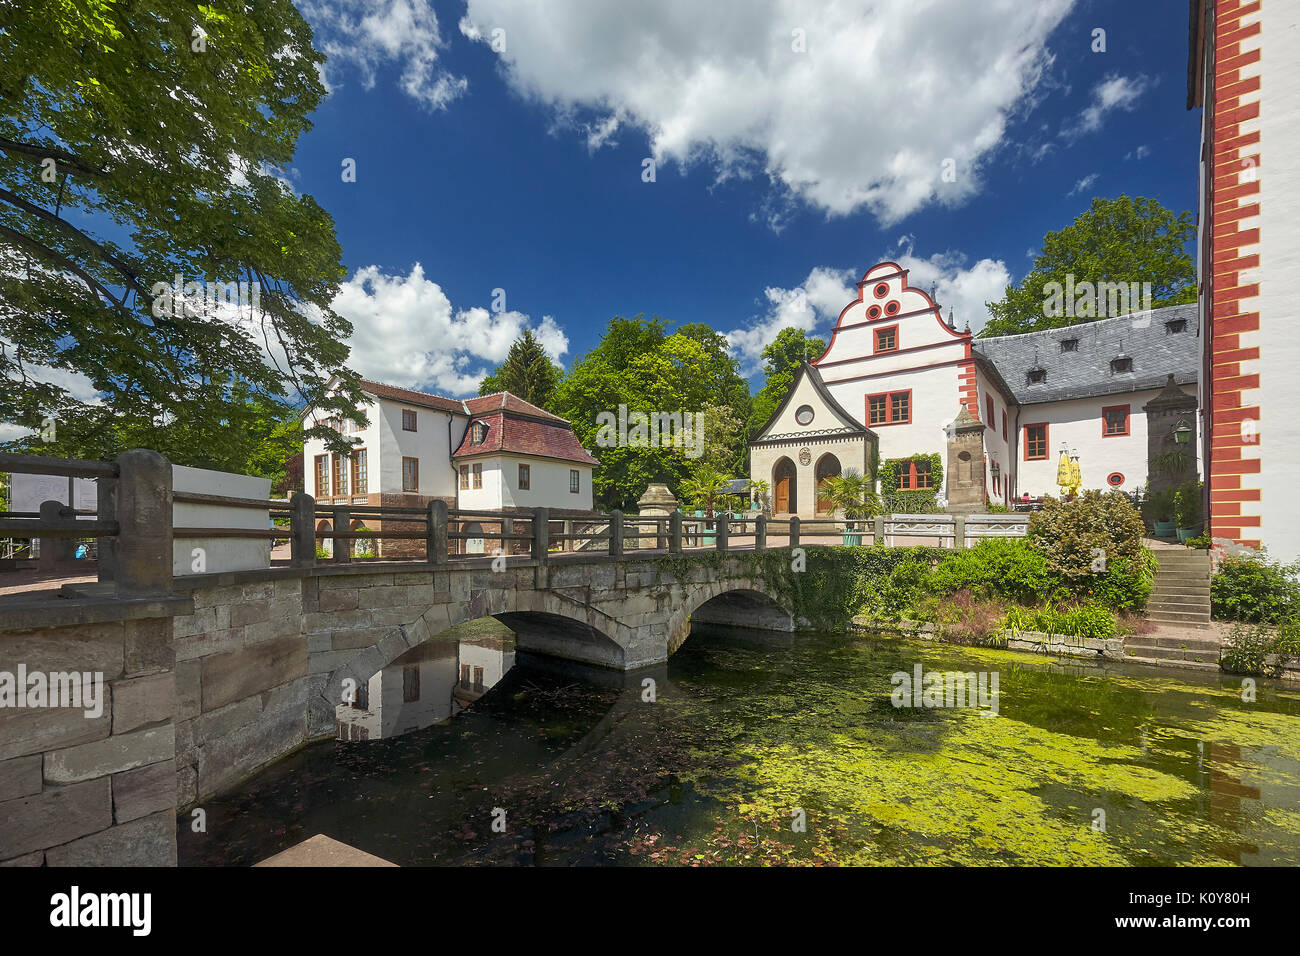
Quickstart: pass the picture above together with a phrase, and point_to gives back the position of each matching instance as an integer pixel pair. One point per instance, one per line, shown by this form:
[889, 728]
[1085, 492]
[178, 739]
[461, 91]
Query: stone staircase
[1181, 596]
[1180, 609]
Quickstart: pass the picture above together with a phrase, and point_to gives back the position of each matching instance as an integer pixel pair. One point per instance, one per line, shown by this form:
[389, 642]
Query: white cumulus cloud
[406, 332]
[402, 34]
[844, 104]
[1115, 92]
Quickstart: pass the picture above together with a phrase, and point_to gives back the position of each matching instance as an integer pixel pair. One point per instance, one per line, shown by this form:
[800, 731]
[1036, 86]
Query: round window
[804, 415]
[1115, 479]
[891, 307]
[882, 290]
[873, 312]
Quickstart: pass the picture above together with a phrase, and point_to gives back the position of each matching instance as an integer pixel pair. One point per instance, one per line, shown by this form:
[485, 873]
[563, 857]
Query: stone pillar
[965, 465]
[144, 517]
[760, 532]
[675, 532]
[794, 531]
[1171, 408]
[657, 502]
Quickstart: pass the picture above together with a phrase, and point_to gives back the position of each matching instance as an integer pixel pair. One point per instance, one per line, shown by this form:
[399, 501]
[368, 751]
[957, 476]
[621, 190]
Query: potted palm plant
[705, 486]
[851, 492]
[1161, 509]
[1187, 511]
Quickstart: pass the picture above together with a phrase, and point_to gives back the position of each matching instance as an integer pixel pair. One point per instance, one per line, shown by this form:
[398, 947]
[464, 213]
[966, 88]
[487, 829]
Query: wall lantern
[1183, 433]
[994, 471]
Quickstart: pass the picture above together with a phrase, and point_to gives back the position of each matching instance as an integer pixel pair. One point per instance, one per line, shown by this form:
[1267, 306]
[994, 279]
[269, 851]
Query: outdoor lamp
[1183, 433]
[994, 471]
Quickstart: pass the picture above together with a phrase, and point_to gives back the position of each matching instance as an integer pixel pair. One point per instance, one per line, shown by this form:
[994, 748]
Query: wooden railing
[134, 526]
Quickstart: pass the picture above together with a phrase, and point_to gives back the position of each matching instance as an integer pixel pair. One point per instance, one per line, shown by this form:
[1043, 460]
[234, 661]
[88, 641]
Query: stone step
[1188, 643]
[1183, 577]
[1168, 587]
[1179, 620]
[1166, 662]
[1179, 602]
[1155, 652]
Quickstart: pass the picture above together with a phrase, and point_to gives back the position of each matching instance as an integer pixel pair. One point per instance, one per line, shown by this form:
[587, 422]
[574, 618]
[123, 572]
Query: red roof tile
[505, 401]
[411, 397]
[513, 434]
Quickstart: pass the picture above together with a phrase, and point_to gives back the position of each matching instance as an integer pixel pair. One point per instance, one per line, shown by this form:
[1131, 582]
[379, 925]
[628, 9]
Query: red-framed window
[890, 408]
[887, 339]
[408, 420]
[1114, 421]
[988, 408]
[1036, 442]
[1004, 424]
[914, 475]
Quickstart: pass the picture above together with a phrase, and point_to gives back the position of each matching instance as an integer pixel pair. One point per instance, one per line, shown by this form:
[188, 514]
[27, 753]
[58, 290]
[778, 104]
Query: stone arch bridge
[228, 672]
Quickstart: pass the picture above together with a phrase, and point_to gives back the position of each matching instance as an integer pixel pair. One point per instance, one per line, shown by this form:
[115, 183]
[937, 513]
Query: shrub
[1187, 505]
[1248, 648]
[1254, 590]
[1077, 620]
[963, 618]
[1093, 545]
[1005, 568]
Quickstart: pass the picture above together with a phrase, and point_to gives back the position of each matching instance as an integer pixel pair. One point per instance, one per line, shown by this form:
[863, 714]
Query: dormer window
[478, 434]
[1037, 376]
[1069, 345]
[1122, 363]
[1174, 326]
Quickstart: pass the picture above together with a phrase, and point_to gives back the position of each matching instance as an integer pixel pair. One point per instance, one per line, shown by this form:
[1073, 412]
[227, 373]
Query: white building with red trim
[896, 374]
[1242, 71]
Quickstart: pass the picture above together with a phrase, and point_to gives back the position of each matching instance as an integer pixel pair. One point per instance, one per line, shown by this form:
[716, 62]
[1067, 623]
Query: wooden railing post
[675, 533]
[507, 546]
[302, 530]
[760, 533]
[435, 537]
[794, 531]
[144, 518]
[959, 531]
[342, 546]
[616, 532]
[541, 534]
[106, 510]
[878, 530]
[567, 544]
[723, 524]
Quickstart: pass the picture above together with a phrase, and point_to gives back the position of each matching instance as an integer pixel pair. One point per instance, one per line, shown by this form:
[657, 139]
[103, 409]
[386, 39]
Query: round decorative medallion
[805, 457]
[804, 415]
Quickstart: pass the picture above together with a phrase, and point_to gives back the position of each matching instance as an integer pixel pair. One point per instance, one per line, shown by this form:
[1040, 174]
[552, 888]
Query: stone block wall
[78, 790]
[240, 684]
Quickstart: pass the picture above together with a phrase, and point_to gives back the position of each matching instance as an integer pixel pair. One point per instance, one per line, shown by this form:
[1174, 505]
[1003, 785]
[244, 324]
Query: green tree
[639, 365]
[527, 372]
[140, 141]
[781, 360]
[705, 487]
[1117, 240]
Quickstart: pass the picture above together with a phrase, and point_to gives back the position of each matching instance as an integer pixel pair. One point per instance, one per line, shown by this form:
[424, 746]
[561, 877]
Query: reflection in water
[430, 683]
[741, 731]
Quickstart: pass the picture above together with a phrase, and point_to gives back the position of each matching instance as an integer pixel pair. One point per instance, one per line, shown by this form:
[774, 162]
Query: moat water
[789, 750]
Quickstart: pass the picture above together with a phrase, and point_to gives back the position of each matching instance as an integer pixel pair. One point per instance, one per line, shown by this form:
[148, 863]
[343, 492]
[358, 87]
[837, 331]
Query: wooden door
[785, 489]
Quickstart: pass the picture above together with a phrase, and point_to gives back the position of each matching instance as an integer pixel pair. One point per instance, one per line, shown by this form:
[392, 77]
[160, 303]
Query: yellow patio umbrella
[1064, 472]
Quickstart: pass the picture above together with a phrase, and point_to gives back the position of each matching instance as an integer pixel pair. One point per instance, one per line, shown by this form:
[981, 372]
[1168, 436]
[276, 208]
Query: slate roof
[512, 433]
[1142, 336]
[848, 424]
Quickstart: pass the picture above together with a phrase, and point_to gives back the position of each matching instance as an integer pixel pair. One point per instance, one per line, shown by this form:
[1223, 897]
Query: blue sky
[781, 173]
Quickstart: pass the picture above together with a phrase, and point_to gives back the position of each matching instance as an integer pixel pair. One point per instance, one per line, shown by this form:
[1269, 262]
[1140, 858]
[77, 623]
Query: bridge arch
[544, 622]
[734, 603]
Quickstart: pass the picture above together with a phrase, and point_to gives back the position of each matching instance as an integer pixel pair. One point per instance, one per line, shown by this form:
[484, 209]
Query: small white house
[491, 453]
